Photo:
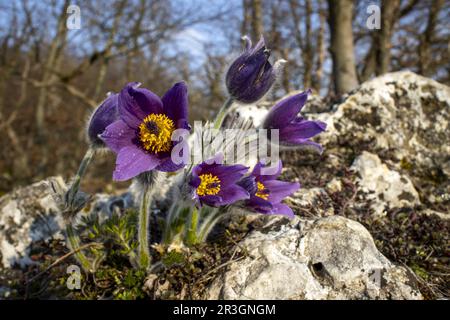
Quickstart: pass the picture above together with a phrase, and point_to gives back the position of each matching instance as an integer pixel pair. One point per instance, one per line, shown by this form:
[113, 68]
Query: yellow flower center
[262, 192]
[155, 132]
[209, 185]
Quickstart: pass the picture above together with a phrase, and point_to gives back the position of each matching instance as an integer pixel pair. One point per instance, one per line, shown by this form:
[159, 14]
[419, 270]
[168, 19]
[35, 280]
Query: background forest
[52, 77]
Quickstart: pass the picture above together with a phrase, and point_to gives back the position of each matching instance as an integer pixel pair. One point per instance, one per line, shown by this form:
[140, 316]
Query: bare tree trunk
[247, 12]
[369, 62]
[341, 48]
[286, 77]
[317, 85]
[277, 45]
[108, 48]
[213, 73]
[48, 76]
[257, 19]
[426, 39]
[308, 54]
[302, 41]
[376, 61]
[20, 168]
[389, 15]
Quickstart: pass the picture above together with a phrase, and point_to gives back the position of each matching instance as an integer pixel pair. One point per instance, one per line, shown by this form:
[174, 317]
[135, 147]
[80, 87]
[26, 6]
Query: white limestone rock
[385, 187]
[329, 258]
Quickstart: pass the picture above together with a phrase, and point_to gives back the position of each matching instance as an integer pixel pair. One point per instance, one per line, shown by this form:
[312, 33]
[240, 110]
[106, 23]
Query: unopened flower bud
[251, 75]
[103, 116]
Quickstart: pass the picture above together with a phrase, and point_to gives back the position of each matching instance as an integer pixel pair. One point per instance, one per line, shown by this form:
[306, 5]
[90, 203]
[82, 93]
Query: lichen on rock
[329, 258]
[387, 188]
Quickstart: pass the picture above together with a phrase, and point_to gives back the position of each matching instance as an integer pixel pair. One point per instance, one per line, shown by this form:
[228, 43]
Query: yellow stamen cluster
[209, 185]
[155, 133]
[261, 192]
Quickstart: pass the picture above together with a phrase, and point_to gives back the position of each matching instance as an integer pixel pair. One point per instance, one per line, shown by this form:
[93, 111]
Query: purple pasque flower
[142, 135]
[103, 116]
[266, 192]
[294, 130]
[215, 183]
[251, 75]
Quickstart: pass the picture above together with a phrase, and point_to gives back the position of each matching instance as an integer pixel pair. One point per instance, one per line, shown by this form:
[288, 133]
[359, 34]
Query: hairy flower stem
[192, 226]
[167, 235]
[71, 193]
[222, 113]
[73, 242]
[211, 219]
[143, 226]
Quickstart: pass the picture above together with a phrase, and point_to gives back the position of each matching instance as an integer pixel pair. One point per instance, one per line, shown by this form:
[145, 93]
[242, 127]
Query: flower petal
[228, 174]
[103, 116]
[183, 124]
[212, 201]
[259, 205]
[175, 102]
[194, 181]
[280, 189]
[232, 194]
[167, 165]
[285, 111]
[251, 75]
[136, 103]
[299, 143]
[261, 44]
[281, 208]
[249, 184]
[262, 173]
[118, 135]
[302, 130]
[132, 161]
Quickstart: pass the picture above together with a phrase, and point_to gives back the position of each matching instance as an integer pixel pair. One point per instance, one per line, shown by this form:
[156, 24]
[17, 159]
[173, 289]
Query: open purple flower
[266, 192]
[293, 129]
[142, 135]
[215, 183]
[102, 117]
[251, 75]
